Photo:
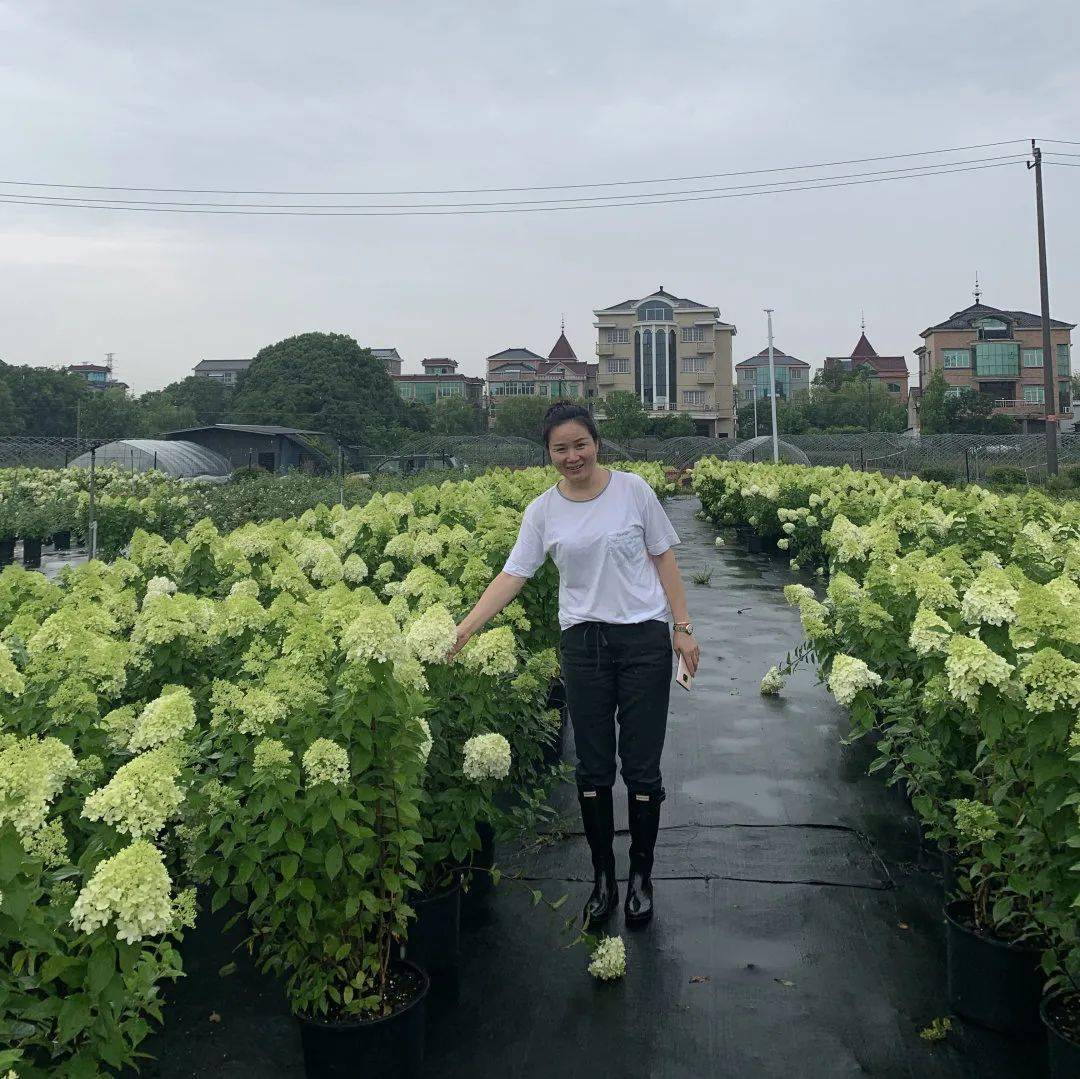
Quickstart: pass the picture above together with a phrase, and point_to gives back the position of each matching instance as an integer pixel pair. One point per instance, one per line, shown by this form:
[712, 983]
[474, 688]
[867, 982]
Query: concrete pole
[1049, 359]
[772, 391]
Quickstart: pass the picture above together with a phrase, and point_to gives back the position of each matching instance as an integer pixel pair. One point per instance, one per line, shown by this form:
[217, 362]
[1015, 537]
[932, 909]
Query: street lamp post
[772, 395]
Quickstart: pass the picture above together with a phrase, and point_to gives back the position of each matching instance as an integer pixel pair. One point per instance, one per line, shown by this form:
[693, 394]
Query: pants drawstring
[600, 640]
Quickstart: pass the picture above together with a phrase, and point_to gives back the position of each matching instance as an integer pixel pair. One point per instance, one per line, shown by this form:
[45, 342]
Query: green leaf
[289, 865]
[333, 860]
[275, 831]
[74, 1017]
[294, 840]
[101, 968]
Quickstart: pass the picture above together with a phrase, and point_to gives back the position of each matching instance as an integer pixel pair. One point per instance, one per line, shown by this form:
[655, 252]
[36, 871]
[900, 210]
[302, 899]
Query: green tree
[207, 399]
[158, 415]
[319, 381]
[454, 416]
[671, 425]
[933, 416]
[10, 422]
[416, 416]
[522, 417]
[625, 416]
[110, 414]
[970, 412]
[46, 402]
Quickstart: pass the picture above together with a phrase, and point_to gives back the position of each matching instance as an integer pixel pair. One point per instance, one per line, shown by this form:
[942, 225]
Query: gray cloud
[352, 96]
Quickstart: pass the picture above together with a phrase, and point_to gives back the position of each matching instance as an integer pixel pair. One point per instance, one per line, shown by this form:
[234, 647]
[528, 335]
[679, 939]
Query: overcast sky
[365, 96]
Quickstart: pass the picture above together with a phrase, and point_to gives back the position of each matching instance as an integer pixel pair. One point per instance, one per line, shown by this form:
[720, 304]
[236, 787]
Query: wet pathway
[795, 935]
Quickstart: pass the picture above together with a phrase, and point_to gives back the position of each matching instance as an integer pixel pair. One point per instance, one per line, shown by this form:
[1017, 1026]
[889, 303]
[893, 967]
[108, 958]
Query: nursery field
[238, 776]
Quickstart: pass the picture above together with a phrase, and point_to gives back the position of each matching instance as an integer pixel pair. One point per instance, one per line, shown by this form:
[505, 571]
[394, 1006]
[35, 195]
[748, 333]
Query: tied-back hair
[566, 412]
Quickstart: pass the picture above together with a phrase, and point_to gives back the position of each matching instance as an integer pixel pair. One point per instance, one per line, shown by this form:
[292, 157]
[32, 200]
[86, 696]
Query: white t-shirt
[601, 548]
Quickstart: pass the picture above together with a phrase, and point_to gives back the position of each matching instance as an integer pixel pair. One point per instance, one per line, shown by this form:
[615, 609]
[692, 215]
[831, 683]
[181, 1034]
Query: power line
[665, 201]
[547, 187]
[515, 202]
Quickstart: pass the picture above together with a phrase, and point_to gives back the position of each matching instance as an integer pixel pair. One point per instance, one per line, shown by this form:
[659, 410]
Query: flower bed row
[262, 721]
[950, 626]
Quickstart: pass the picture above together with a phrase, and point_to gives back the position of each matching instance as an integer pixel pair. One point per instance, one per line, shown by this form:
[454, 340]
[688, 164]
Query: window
[654, 311]
[893, 387]
[797, 373]
[1063, 359]
[997, 358]
[690, 334]
[1031, 357]
[617, 367]
[544, 387]
[1034, 395]
[956, 357]
[450, 389]
[616, 337]
[690, 364]
[992, 329]
[693, 397]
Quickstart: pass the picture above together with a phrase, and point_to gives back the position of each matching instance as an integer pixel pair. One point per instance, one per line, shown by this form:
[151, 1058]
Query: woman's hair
[567, 412]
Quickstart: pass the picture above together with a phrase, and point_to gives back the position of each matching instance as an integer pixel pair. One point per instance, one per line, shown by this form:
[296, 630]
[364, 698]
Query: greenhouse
[181, 460]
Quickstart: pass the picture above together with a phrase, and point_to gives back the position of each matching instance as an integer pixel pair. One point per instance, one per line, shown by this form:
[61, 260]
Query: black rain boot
[644, 814]
[598, 818]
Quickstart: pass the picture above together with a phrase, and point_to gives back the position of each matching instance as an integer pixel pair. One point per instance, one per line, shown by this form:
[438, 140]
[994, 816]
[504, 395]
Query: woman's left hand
[686, 647]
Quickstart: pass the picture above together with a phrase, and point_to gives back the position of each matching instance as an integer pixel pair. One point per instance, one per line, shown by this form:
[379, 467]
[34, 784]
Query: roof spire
[562, 323]
[978, 291]
[862, 320]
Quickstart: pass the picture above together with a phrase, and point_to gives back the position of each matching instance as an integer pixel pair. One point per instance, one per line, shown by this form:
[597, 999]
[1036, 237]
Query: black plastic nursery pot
[7, 550]
[1061, 1017]
[389, 1048]
[62, 540]
[992, 983]
[435, 935]
[31, 553]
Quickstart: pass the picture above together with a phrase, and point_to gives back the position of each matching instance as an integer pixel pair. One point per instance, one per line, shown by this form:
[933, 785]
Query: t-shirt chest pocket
[626, 545]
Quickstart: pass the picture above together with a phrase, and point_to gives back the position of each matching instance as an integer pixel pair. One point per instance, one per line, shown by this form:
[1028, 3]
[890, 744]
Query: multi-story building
[674, 354]
[98, 376]
[226, 371]
[440, 379]
[390, 357]
[890, 371]
[517, 372]
[752, 375]
[999, 354]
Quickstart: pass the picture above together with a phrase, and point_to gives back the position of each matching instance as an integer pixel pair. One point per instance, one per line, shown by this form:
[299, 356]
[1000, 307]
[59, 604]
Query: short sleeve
[528, 553]
[660, 534]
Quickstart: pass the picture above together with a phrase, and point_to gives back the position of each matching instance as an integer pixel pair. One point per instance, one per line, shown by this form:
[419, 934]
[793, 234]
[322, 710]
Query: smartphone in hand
[683, 676]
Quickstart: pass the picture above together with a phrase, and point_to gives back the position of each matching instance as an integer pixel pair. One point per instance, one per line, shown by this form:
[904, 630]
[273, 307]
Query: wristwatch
[684, 627]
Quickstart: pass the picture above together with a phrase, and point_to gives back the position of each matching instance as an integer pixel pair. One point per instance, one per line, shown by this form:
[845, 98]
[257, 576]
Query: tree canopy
[522, 417]
[858, 405]
[322, 382]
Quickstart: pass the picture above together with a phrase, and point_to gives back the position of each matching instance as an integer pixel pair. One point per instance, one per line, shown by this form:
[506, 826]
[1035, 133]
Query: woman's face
[573, 451]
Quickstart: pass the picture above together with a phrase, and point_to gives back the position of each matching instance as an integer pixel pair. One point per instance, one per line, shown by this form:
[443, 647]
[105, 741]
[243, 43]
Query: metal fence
[972, 458]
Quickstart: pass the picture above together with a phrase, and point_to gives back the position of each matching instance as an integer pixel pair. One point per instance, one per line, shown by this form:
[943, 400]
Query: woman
[611, 541]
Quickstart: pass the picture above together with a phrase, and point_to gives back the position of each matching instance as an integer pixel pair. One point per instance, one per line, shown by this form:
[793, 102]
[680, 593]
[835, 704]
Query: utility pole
[772, 390]
[755, 409]
[1049, 359]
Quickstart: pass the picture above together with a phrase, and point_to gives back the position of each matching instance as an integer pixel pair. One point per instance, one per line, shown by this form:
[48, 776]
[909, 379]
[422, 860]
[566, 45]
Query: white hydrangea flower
[33, 771]
[990, 598]
[158, 586]
[849, 677]
[930, 633]
[170, 717]
[355, 569]
[373, 635]
[427, 743]
[783, 544]
[141, 796]
[970, 665]
[772, 683]
[789, 528]
[270, 755]
[431, 636]
[325, 761]
[134, 888]
[493, 653]
[11, 682]
[486, 756]
[608, 962]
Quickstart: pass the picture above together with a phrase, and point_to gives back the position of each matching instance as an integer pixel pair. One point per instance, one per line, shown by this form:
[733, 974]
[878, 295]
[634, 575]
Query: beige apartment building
[674, 354]
[999, 354]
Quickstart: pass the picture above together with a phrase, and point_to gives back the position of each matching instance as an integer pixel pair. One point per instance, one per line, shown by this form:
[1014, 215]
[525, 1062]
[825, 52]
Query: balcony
[605, 348]
[1005, 406]
[705, 378]
[606, 378]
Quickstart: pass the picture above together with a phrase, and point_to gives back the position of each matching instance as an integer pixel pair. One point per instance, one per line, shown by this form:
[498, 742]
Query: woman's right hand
[463, 635]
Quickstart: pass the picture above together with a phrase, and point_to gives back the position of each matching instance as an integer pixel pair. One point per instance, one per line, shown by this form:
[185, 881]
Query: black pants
[624, 672]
